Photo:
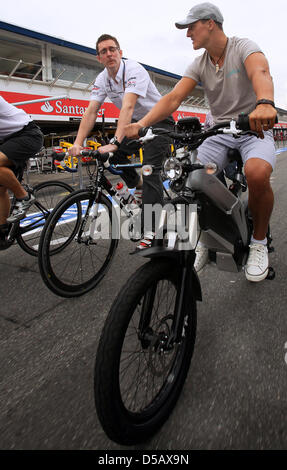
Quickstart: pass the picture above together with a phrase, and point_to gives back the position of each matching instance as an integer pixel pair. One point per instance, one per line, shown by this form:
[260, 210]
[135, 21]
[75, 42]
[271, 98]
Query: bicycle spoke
[81, 229]
[143, 372]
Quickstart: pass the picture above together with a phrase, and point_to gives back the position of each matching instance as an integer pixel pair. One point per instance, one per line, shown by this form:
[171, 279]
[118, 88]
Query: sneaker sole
[260, 277]
[10, 221]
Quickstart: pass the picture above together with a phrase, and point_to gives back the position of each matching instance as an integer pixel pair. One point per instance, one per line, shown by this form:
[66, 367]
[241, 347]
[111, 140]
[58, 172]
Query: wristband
[114, 141]
[265, 102]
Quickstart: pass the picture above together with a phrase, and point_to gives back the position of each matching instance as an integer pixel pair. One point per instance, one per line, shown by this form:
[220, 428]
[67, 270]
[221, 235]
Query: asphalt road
[235, 394]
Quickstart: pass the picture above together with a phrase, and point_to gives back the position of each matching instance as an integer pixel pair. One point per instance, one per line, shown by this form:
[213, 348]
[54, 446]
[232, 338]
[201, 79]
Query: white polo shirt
[131, 78]
[12, 119]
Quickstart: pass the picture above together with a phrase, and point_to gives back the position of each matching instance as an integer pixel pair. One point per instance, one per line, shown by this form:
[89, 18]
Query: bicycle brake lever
[131, 142]
[249, 133]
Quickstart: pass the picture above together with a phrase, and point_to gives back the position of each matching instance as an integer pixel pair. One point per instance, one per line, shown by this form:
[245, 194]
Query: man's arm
[86, 125]
[125, 117]
[164, 108]
[264, 115]
[126, 114]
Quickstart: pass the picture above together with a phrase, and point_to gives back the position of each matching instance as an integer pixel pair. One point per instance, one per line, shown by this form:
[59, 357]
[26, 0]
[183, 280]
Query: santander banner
[72, 108]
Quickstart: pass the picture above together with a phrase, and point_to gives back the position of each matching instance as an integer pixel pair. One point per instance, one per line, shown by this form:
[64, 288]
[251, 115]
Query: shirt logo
[233, 72]
[131, 81]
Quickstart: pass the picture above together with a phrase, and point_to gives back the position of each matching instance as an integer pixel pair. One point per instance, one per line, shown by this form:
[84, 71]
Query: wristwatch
[114, 141]
[265, 102]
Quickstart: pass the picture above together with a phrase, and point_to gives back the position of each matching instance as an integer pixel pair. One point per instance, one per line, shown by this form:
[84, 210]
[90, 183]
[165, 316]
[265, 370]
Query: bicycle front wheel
[140, 370]
[82, 228]
[48, 195]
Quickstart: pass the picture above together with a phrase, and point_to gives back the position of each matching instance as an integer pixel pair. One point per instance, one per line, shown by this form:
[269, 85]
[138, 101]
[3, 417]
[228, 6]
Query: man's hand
[108, 148]
[75, 150]
[131, 131]
[262, 118]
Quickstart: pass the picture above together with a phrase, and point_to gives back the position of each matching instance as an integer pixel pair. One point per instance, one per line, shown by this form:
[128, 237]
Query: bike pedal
[271, 249]
[271, 274]
[135, 238]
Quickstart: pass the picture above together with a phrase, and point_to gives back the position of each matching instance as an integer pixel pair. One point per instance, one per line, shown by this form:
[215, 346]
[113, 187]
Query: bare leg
[4, 205]
[8, 180]
[261, 198]
[140, 183]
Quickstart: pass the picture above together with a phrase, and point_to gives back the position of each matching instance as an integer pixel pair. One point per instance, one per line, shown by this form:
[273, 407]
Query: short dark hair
[106, 37]
[219, 25]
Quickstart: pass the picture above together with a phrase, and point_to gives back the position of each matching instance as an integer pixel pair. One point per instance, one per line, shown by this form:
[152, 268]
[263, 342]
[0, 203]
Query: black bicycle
[88, 224]
[27, 231]
[148, 339]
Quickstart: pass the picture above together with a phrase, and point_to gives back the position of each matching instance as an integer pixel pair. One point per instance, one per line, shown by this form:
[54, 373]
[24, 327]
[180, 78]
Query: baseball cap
[202, 11]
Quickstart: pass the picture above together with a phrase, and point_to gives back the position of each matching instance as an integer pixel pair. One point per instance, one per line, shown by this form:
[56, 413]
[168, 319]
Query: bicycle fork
[188, 284]
[92, 213]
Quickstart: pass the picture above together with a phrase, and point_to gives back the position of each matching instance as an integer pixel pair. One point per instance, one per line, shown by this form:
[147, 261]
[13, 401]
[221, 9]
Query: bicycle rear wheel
[82, 227]
[139, 374]
[48, 195]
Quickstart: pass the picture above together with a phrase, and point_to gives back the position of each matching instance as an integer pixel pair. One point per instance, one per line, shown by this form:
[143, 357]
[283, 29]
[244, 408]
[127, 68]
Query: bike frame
[222, 218]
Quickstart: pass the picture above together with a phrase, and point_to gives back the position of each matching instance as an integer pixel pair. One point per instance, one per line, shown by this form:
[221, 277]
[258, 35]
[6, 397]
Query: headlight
[172, 169]
[147, 170]
[211, 168]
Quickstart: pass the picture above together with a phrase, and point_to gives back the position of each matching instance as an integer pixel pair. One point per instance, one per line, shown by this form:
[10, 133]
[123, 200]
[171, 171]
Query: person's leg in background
[154, 153]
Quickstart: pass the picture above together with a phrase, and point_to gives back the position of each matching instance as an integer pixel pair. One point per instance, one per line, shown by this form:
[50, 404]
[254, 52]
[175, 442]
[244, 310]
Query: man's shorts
[21, 145]
[214, 149]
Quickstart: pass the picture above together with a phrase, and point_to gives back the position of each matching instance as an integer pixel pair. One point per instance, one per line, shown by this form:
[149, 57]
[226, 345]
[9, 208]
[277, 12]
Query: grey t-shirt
[229, 91]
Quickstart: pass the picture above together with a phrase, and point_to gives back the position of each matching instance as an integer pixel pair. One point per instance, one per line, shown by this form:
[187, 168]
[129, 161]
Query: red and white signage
[60, 107]
[72, 108]
[75, 108]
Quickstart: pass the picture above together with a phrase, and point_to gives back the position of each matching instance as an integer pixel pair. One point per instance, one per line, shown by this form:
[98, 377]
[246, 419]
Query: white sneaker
[146, 241]
[256, 268]
[201, 258]
[20, 209]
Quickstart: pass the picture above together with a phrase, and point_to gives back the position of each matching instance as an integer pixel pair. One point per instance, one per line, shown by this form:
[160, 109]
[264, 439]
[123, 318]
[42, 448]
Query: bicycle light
[147, 170]
[211, 168]
[172, 169]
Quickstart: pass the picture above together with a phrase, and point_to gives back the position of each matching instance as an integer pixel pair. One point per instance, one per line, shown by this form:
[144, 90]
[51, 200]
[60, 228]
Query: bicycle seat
[234, 155]
[189, 124]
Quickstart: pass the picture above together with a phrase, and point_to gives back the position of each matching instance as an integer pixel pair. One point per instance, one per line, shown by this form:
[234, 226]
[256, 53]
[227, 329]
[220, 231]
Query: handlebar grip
[142, 131]
[58, 155]
[88, 153]
[104, 156]
[96, 154]
[243, 122]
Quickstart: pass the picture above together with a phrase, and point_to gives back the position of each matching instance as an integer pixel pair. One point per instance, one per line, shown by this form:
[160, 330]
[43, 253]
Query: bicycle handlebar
[103, 157]
[89, 155]
[238, 127]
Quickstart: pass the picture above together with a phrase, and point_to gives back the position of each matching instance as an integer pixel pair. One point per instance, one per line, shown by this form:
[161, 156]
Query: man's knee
[3, 191]
[258, 173]
[4, 161]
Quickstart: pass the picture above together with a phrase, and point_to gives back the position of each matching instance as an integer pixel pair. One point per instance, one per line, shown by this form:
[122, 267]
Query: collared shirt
[131, 78]
[12, 119]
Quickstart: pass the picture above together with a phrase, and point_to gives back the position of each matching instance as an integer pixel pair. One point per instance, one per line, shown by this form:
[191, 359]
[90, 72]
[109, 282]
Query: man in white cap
[236, 79]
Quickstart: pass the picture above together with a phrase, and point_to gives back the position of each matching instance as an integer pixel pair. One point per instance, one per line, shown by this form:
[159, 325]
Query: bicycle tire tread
[109, 345]
[52, 283]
